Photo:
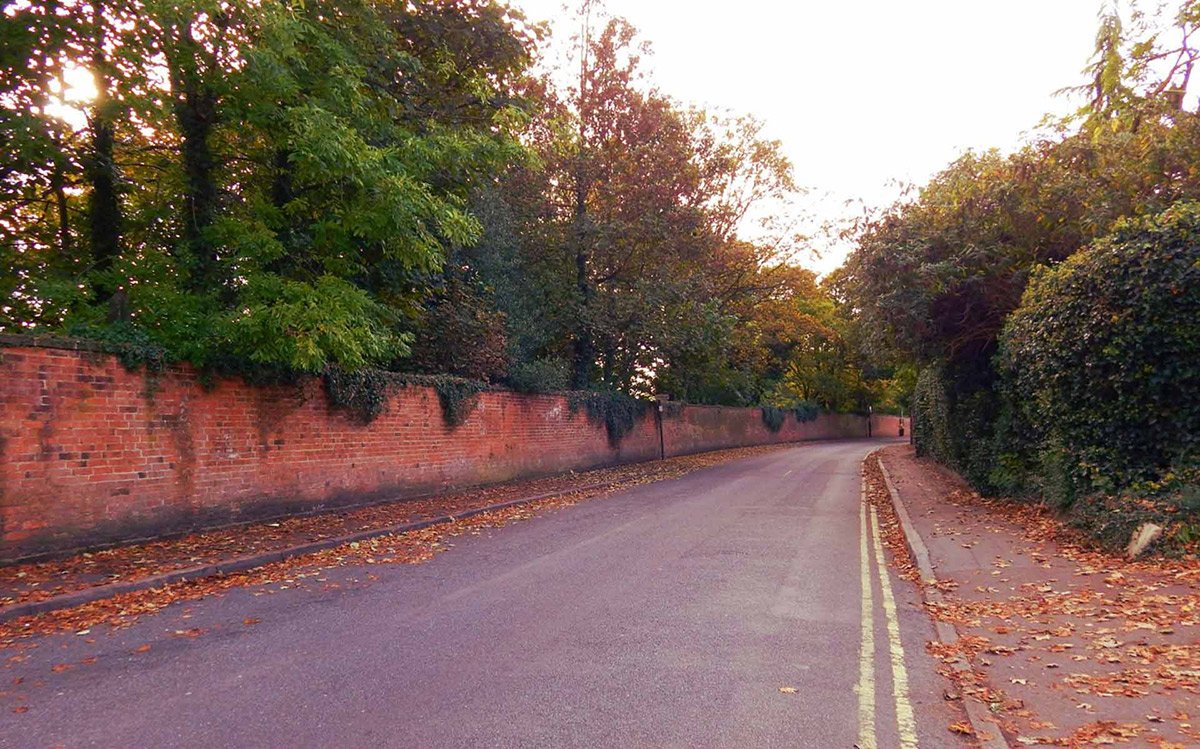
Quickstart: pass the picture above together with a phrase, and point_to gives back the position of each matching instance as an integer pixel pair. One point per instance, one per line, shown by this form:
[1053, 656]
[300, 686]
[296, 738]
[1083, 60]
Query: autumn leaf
[788, 690]
[962, 728]
[248, 621]
[193, 632]
[142, 648]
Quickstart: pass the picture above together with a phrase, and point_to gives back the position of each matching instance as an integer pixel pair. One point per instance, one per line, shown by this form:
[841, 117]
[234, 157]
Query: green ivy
[806, 411]
[618, 412]
[773, 417]
[363, 392]
[132, 346]
[458, 397]
[931, 416]
[1103, 357]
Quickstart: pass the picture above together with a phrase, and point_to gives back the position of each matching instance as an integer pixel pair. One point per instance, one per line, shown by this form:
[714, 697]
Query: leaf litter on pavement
[1104, 645]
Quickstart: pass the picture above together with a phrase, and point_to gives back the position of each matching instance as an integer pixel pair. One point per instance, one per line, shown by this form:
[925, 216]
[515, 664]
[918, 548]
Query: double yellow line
[906, 726]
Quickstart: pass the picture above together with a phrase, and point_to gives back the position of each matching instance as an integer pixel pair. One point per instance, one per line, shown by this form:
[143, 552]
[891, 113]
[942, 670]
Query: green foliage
[1171, 501]
[131, 345]
[807, 411]
[335, 186]
[1105, 351]
[363, 393]
[540, 376]
[773, 417]
[458, 397]
[1063, 410]
[269, 182]
[309, 326]
[618, 412]
[931, 416]
[459, 331]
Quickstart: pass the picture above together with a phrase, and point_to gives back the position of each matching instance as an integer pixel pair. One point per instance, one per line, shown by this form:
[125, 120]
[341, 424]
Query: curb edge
[242, 564]
[987, 732]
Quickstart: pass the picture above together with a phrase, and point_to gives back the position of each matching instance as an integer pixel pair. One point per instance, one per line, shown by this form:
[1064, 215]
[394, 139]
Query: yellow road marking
[866, 653]
[905, 723]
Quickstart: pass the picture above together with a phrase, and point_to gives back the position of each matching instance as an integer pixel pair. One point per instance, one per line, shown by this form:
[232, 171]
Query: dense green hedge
[1102, 359]
[931, 417]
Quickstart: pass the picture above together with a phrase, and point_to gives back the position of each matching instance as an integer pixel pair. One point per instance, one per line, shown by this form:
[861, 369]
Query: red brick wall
[91, 453]
[886, 425]
[693, 429]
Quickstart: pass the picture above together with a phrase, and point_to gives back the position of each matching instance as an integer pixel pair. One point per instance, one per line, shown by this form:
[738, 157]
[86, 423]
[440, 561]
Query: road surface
[669, 615]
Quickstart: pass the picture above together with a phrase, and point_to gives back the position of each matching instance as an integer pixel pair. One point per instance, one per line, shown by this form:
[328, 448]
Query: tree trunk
[104, 205]
[59, 188]
[585, 346]
[282, 193]
[195, 110]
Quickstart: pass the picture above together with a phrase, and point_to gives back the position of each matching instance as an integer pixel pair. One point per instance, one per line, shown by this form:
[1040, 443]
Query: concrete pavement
[669, 614]
[1072, 647]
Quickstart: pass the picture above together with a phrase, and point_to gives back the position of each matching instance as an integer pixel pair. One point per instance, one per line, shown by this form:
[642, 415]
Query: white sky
[863, 92]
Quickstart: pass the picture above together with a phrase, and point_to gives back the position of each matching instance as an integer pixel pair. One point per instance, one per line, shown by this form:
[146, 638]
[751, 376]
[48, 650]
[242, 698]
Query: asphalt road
[665, 615]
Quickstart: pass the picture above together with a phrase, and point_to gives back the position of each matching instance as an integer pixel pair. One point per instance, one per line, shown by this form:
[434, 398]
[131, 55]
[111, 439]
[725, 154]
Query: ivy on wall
[618, 412]
[773, 418]
[364, 393]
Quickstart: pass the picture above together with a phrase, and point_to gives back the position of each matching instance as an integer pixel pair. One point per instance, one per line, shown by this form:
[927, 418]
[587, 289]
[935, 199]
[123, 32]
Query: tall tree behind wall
[260, 181]
[935, 278]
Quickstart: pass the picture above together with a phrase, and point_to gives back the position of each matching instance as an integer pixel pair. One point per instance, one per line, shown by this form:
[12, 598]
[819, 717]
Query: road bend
[744, 605]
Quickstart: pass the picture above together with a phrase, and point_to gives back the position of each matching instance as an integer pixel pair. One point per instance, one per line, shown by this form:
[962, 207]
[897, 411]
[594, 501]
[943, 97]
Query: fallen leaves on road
[193, 632]
[412, 547]
[1101, 732]
[788, 690]
[962, 728]
[889, 525]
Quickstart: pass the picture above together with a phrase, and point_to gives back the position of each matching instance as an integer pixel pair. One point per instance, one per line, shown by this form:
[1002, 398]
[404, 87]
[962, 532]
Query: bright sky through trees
[388, 183]
[864, 92]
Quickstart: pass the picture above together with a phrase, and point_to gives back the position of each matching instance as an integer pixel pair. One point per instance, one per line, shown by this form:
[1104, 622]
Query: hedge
[1102, 358]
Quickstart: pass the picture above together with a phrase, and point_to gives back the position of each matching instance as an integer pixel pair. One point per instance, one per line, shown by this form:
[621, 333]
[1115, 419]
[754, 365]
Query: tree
[460, 331]
[265, 181]
[935, 279]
